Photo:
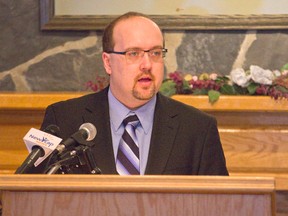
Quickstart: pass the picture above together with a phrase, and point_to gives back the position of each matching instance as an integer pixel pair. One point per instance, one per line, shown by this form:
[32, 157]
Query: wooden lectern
[136, 195]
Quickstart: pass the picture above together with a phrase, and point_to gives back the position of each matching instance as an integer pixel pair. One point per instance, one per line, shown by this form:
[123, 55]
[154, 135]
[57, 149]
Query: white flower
[261, 76]
[240, 77]
[213, 76]
[277, 73]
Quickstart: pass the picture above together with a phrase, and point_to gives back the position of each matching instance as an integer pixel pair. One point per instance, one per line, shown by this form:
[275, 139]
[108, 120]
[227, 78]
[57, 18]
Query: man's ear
[106, 62]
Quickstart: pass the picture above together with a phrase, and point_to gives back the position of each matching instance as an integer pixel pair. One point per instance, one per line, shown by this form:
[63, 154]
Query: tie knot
[132, 119]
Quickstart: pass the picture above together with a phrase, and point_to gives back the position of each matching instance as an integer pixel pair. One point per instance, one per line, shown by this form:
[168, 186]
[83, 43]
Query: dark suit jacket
[185, 141]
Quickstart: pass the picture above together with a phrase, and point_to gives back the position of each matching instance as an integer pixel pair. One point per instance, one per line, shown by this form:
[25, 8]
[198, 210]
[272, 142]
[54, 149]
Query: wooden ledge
[33, 101]
[39, 101]
[236, 103]
[147, 183]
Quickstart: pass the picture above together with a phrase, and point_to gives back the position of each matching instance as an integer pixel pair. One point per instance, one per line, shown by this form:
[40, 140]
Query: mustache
[145, 75]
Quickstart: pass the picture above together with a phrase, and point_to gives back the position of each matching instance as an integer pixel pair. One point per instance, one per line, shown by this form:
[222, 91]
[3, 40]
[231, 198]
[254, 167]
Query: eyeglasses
[135, 56]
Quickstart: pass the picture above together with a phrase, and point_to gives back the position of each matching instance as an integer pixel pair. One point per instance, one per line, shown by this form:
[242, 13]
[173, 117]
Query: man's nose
[146, 61]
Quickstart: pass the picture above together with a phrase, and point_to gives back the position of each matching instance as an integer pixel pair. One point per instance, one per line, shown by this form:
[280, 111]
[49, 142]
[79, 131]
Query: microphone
[40, 144]
[86, 132]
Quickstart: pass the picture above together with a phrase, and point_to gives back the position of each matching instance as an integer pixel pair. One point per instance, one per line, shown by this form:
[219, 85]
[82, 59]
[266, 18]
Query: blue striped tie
[127, 162]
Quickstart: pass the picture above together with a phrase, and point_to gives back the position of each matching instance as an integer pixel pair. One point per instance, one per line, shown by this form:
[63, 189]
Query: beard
[144, 92]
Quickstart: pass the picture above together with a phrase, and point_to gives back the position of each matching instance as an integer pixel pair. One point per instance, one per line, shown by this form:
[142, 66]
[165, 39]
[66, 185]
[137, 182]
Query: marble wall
[35, 60]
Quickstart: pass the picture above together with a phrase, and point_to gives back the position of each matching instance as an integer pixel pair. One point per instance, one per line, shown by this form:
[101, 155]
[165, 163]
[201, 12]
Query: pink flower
[284, 72]
[194, 78]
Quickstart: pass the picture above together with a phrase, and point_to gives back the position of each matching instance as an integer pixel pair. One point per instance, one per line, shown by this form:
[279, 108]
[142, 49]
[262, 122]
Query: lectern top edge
[177, 184]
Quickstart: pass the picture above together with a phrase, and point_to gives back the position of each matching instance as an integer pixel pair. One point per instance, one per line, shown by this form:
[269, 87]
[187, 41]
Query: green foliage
[200, 92]
[285, 67]
[186, 85]
[252, 88]
[227, 90]
[168, 88]
[213, 96]
[282, 89]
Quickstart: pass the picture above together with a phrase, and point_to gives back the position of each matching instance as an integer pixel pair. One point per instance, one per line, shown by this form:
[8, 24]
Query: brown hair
[107, 39]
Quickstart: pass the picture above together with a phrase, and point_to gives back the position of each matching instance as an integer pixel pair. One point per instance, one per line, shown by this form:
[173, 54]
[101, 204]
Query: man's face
[135, 83]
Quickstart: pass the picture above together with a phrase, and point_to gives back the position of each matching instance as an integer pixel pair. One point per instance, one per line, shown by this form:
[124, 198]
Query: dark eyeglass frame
[164, 51]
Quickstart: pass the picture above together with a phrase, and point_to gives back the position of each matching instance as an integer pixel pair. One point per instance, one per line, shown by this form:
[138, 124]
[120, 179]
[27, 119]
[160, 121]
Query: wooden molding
[39, 101]
[235, 103]
[157, 183]
[33, 101]
[50, 21]
[136, 195]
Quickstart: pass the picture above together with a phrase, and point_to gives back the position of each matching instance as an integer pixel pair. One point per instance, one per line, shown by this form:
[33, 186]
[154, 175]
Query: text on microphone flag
[45, 140]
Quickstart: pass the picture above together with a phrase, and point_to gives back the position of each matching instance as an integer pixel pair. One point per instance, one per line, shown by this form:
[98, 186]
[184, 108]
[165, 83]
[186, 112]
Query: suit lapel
[162, 139]
[99, 116]
[164, 131]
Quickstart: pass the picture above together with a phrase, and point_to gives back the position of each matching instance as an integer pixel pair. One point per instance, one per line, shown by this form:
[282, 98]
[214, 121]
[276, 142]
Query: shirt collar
[118, 112]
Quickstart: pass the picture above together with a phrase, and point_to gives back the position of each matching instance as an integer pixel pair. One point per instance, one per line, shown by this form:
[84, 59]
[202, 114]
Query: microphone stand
[81, 155]
[30, 160]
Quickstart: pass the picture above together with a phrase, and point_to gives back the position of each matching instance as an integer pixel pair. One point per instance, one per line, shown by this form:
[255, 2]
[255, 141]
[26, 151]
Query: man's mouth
[145, 79]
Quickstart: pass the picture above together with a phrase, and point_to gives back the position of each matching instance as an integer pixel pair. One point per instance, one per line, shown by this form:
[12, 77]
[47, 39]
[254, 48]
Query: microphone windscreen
[90, 129]
[52, 129]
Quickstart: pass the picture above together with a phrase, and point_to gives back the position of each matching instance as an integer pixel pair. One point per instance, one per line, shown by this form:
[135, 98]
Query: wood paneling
[136, 195]
[254, 134]
[253, 130]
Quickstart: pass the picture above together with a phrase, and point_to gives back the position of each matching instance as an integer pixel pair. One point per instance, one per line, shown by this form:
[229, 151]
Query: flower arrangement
[100, 83]
[255, 81]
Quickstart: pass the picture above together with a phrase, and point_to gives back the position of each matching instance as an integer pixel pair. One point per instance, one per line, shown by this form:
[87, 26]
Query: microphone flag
[42, 139]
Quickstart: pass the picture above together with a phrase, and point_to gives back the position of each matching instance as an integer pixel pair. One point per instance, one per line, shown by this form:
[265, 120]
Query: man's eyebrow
[138, 48]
